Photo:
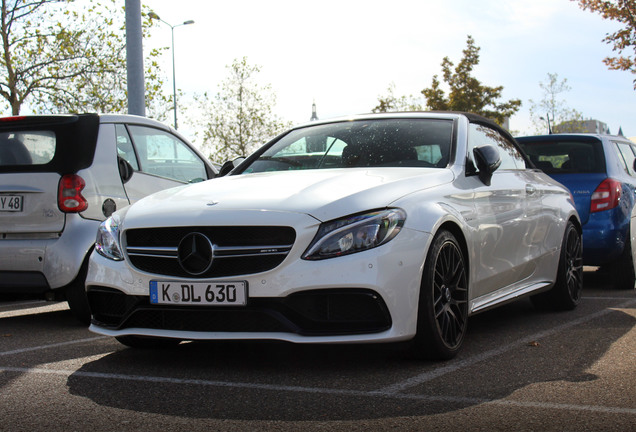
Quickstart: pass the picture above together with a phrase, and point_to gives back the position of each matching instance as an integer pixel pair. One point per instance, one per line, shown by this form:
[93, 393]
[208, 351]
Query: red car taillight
[69, 194]
[12, 118]
[606, 196]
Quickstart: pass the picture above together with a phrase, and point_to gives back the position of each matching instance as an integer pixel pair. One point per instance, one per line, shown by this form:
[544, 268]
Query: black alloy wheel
[566, 291]
[443, 305]
[573, 267]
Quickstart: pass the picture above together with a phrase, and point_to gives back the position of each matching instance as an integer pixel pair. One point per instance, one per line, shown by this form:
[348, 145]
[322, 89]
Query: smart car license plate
[199, 293]
[11, 203]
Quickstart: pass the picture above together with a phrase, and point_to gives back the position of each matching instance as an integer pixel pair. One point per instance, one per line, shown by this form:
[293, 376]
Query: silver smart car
[61, 176]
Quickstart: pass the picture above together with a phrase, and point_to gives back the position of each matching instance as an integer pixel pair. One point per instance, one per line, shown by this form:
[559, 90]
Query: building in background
[582, 126]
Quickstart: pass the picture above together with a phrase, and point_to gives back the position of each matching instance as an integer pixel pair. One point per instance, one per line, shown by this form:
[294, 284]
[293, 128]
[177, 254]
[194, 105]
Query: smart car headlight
[355, 233]
[107, 242]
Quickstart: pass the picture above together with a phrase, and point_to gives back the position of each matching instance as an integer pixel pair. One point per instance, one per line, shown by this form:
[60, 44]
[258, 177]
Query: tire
[76, 296]
[622, 270]
[565, 294]
[146, 342]
[442, 315]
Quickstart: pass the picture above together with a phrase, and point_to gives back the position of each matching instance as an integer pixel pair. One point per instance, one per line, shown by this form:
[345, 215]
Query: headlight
[355, 233]
[107, 242]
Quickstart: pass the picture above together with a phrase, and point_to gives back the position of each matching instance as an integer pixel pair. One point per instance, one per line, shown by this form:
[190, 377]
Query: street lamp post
[153, 15]
[548, 120]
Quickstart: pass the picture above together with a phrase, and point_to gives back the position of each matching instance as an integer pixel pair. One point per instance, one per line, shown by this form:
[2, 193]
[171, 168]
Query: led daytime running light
[355, 234]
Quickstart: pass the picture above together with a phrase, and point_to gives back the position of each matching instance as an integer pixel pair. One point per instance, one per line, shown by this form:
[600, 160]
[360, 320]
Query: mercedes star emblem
[195, 253]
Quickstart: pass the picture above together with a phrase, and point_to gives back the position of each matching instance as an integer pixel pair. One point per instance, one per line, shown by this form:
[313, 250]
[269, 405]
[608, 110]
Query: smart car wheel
[566, 292]
[76, 297]
[443, 303]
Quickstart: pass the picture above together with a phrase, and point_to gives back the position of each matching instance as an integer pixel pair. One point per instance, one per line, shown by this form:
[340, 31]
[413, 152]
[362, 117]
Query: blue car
[600, 172]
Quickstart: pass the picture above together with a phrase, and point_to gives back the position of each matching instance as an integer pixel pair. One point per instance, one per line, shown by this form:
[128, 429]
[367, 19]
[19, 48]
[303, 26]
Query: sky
[344, 54]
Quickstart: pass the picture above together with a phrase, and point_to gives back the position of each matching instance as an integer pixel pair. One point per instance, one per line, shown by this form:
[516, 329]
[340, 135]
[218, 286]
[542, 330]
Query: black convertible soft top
[479, 119]
[75, 134]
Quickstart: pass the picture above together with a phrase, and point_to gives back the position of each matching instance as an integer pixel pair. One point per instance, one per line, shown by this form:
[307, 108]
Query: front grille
[237, 250]
[310, 313]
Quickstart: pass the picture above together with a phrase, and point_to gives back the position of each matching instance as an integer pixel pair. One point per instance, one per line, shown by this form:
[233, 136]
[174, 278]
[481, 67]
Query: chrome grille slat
[237, 250]
[219, 252]
[152, 251]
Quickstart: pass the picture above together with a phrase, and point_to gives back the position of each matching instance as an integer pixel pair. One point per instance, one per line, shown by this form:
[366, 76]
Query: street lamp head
[153, 15]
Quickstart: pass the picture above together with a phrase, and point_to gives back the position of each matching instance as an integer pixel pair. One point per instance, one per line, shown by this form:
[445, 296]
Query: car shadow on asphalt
[289, 382]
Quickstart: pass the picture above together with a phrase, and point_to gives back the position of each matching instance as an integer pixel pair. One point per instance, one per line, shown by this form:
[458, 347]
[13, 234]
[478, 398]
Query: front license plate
[199, 293]
[11, 203]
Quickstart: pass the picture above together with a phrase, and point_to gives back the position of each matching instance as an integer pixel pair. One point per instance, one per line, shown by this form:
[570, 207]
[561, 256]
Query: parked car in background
[61, 176]
[600, 172]
[379, 228]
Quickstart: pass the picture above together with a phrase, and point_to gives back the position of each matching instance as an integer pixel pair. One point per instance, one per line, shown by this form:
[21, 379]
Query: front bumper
[363, 297]
[311, 313]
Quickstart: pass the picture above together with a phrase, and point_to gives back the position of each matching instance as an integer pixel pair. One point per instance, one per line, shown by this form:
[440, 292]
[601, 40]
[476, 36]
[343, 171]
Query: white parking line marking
[55, 345]
[324, 391]
[43, 307]
[603, 298]
[394, 391]
[564, 407]
[455, 366]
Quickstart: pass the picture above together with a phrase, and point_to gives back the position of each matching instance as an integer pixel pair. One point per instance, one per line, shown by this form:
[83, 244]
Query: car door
[507, 218]
[160, 160]
[627, 155]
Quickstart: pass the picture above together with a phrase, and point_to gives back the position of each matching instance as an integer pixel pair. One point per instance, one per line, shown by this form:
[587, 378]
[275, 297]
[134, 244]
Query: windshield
[362, 143]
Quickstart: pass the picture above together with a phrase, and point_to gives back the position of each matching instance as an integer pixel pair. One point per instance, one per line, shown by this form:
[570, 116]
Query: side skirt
[506, 295]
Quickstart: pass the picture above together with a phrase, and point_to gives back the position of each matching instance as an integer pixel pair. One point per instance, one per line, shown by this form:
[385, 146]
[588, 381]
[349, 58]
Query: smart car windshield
[363, 143]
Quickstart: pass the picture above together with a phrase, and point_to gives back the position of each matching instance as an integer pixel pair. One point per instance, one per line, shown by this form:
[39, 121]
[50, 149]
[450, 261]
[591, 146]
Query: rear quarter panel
[102, 177]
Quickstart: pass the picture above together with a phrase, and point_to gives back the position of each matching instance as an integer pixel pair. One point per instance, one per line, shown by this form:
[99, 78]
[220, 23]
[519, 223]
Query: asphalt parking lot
[520, 370]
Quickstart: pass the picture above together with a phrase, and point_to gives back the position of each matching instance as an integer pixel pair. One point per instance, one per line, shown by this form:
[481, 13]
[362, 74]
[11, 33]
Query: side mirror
[229, 166]
[125, 169]
[488, 160]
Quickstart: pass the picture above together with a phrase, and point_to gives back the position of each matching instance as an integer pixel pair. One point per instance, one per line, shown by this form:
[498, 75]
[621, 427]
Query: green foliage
[623, 41]
[466, 93]
[239, 118]
[392, 103]
[66, 56]
[553, 108]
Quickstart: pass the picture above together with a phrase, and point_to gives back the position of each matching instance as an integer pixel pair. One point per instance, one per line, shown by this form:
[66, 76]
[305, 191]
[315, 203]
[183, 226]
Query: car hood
[322, 194]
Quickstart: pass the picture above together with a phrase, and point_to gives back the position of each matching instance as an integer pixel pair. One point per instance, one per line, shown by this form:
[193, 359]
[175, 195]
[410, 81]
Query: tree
[553, 110]
[62, 56]
[390, 102]
[466, 93]
[623, 41]
[239, 117]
